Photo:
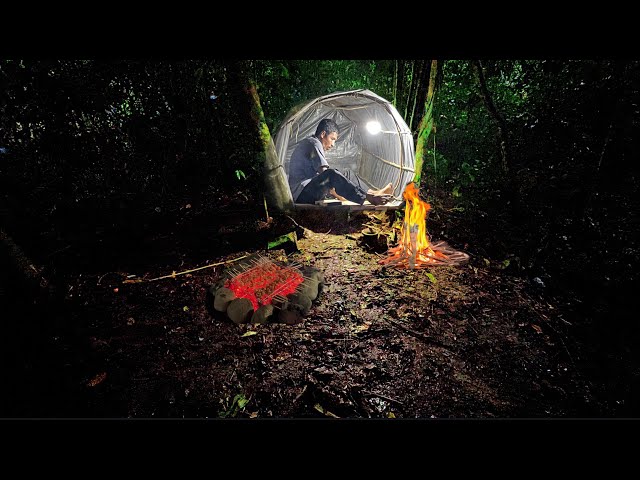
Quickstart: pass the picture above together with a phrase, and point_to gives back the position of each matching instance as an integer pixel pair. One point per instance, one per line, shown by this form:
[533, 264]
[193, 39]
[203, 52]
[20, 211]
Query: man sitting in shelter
[311, 178]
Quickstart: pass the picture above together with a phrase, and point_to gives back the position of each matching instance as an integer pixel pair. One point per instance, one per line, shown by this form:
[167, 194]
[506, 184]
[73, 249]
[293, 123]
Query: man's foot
[377, 199]
[387, 190]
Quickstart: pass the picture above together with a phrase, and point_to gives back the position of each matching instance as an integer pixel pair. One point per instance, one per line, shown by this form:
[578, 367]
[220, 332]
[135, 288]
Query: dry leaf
[536, 328]
[300, 394]
[282, 356]
[98, 379]
[361, 328]
[319, 408]
[248, 333]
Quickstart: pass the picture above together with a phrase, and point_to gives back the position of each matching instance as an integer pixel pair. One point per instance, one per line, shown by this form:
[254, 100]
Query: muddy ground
[469, 341]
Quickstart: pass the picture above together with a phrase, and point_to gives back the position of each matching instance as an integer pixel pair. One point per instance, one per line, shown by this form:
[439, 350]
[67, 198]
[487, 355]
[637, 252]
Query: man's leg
[319, 186]
[355, 179]
[360, 183]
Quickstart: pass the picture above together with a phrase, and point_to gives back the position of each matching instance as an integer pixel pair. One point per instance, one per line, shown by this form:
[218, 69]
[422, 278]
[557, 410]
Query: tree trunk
[502, 125]
[418, 85]
[276, 185]
[421, 96]
[426, 124]
[276, 188]
[408, 96]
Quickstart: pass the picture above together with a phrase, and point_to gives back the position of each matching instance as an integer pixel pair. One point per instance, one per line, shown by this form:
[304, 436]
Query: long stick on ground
[175, 274]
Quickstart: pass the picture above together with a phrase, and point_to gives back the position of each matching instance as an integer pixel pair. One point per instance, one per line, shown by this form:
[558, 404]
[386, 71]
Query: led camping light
[373, 127]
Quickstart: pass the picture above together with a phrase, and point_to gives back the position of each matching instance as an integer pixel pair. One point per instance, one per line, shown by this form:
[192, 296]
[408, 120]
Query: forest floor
[469, 341]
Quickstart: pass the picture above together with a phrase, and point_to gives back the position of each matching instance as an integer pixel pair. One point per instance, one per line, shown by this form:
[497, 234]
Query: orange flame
[415, 213]
[414, 249]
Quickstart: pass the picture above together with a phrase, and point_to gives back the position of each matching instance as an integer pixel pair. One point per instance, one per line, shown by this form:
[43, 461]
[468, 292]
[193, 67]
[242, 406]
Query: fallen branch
[418, 335]
[20, 268]
[563, 344]
[294, 222]
[384, 397]
[105, 274]
[175, 274]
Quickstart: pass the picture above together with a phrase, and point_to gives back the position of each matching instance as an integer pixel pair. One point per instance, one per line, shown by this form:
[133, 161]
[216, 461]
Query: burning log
[414, 249]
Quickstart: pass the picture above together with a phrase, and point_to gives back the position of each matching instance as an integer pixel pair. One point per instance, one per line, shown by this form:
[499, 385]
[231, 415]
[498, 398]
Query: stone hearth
[264, 291]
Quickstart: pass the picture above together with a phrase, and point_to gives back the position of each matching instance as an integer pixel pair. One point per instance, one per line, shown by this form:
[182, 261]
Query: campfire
[414, 249]
[261, 291]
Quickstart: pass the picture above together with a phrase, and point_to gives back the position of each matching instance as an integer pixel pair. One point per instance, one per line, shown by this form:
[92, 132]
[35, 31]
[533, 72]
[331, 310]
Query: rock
[299, 302]
[240, 310]
[223, 297]
[289, 310]
[313, 274]
[263, 314]
[288, 315]
[537, 281]
[309, 288]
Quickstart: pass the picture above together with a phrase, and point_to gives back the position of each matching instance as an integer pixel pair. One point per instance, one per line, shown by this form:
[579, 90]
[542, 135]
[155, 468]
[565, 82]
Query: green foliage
[99, 126]
[468, 170]
[112, 134]
[568, 128]
[426, 126]
[283, 84]
[540, 110]
[288, 241]
[238, 403]
[464, 127]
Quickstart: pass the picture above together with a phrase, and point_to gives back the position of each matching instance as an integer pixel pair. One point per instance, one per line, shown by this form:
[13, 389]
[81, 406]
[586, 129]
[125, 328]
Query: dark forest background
[531, 164]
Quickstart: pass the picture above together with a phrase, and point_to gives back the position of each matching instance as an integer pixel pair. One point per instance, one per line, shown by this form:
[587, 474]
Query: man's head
[327, 133]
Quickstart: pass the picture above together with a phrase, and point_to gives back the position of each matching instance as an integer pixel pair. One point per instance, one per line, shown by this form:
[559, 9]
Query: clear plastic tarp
[385, 157]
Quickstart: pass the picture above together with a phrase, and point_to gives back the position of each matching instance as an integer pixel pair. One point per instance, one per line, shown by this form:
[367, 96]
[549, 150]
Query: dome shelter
[374, 140]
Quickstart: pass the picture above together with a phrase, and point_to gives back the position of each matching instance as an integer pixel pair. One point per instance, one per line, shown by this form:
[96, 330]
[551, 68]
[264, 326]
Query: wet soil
[469, 341]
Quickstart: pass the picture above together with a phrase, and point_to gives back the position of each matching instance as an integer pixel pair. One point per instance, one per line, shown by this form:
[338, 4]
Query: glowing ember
[261, 283]
[414, 249]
